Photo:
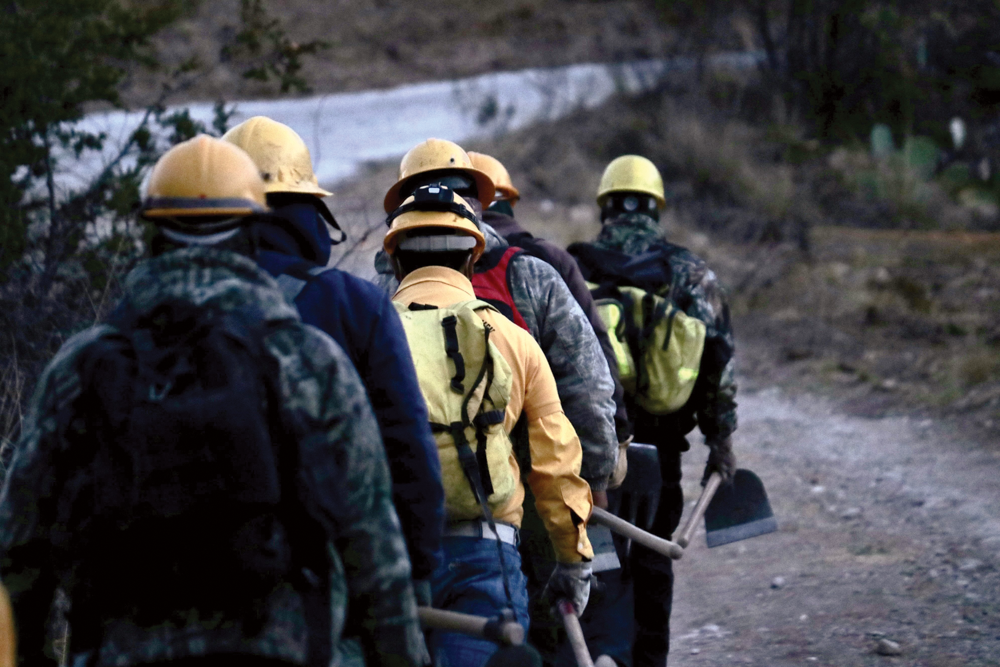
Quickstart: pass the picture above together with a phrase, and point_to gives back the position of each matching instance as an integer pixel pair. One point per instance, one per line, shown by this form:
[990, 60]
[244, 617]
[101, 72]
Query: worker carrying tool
[479, 373]
[670, 320]
[530, 293]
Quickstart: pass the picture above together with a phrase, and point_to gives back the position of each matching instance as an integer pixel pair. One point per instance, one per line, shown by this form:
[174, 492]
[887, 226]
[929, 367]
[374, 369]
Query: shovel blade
[739, 511]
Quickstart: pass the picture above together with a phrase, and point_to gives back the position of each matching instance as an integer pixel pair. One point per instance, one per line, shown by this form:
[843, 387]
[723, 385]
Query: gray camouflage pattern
[556, 321]
[698, 293]
[343, 465]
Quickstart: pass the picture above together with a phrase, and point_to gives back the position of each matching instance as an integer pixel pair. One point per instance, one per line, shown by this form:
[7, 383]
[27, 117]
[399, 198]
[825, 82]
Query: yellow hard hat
[202, 177]
[281, 155]
[437, 155]
[631, 173]
[505, 190]
[8, 638]
[434, 206]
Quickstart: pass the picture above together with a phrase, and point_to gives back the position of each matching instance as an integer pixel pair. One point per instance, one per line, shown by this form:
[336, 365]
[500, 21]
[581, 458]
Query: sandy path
[889, 528]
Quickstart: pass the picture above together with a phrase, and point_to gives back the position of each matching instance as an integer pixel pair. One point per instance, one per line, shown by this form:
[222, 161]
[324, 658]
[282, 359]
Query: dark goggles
[433, 197]
[459, 183]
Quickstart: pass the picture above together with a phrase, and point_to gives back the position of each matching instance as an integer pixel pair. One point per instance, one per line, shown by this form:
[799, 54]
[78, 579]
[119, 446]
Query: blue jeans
[470, 581]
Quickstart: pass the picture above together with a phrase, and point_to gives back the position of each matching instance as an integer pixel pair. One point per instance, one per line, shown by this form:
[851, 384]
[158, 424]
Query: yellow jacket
[561, 495]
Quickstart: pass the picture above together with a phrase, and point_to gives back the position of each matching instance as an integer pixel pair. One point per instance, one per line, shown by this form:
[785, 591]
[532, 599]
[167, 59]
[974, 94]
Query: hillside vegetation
[830, 288]
[383, 43]
[848, 125]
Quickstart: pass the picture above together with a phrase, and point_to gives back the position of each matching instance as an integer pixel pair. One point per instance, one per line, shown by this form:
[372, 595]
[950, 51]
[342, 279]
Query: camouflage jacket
[698, 293]
[342, 464]
[556, 321]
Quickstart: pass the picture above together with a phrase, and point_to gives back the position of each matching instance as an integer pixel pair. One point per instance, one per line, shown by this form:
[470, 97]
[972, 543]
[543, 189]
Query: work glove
[621, 468]
[720, 459]
[572, 582]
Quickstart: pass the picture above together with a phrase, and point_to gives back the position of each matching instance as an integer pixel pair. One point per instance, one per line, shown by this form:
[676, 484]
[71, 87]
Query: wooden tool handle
[507, 633]
[8, 640]
[574, 633]
[711, 486]
[637, 535]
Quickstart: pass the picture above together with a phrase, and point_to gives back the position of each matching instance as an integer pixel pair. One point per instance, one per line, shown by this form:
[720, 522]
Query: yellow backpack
[657, 345]
[466, 384]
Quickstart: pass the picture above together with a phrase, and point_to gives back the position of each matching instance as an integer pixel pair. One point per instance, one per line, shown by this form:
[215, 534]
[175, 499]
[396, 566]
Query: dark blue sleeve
[360, 317]
[402, 415]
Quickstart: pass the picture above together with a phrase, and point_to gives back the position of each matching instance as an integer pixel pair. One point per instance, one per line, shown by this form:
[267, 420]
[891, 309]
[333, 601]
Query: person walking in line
[530, 293]
[295, 247]
[480, 374]
[203, 475]
[602, 622]
[684, 315]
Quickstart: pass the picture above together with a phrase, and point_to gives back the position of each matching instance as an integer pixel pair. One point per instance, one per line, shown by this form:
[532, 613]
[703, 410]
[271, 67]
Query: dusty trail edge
[889, 530]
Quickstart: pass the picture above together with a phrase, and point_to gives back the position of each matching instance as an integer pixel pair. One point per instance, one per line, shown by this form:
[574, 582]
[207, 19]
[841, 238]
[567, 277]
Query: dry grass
[382, 43]
[723, 154]
[36, 322]
[913, 201]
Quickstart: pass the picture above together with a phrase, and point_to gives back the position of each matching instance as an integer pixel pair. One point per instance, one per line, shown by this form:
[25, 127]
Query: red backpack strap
[493, 284]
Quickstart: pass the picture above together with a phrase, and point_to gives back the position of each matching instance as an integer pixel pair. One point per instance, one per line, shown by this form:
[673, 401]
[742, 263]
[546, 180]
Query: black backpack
[177, 477]
[649, 271]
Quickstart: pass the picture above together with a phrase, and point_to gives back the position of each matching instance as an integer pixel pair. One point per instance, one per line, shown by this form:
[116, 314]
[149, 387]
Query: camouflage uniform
[712, 407]
[698, 293]
[343, 465]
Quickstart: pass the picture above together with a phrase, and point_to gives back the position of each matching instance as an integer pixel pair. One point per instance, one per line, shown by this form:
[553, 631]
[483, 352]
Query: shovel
[738, 511]
[711, 486]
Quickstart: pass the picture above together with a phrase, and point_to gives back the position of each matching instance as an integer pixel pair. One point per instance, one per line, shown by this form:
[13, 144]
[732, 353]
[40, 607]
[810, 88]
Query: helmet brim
[193, 207]
[299, 188]
[507, 193]
[484, 187]
[413, 220]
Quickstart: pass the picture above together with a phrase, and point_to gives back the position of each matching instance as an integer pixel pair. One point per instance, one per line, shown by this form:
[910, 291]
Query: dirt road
[889, 529]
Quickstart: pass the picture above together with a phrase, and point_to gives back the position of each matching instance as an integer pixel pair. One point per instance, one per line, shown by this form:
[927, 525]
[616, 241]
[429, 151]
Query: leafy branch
[272, 53]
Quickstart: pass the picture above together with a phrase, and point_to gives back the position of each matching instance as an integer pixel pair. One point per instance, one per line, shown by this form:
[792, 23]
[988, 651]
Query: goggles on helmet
[630, 202]
[458, 183]
[434, 197]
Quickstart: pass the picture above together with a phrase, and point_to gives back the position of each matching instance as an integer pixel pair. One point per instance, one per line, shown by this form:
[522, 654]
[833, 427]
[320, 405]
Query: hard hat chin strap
[433, 205]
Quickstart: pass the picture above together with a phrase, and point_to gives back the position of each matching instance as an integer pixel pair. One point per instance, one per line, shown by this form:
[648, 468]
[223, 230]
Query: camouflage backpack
[176, 489]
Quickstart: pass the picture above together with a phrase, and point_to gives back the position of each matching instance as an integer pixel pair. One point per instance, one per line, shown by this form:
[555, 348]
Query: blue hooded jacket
[361, 318]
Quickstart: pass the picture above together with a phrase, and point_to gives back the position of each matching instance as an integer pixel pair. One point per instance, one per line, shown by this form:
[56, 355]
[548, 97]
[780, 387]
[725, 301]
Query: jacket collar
[446, 285]
[205, 276]
[493, 239]
[298, 229]
[504, 225]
